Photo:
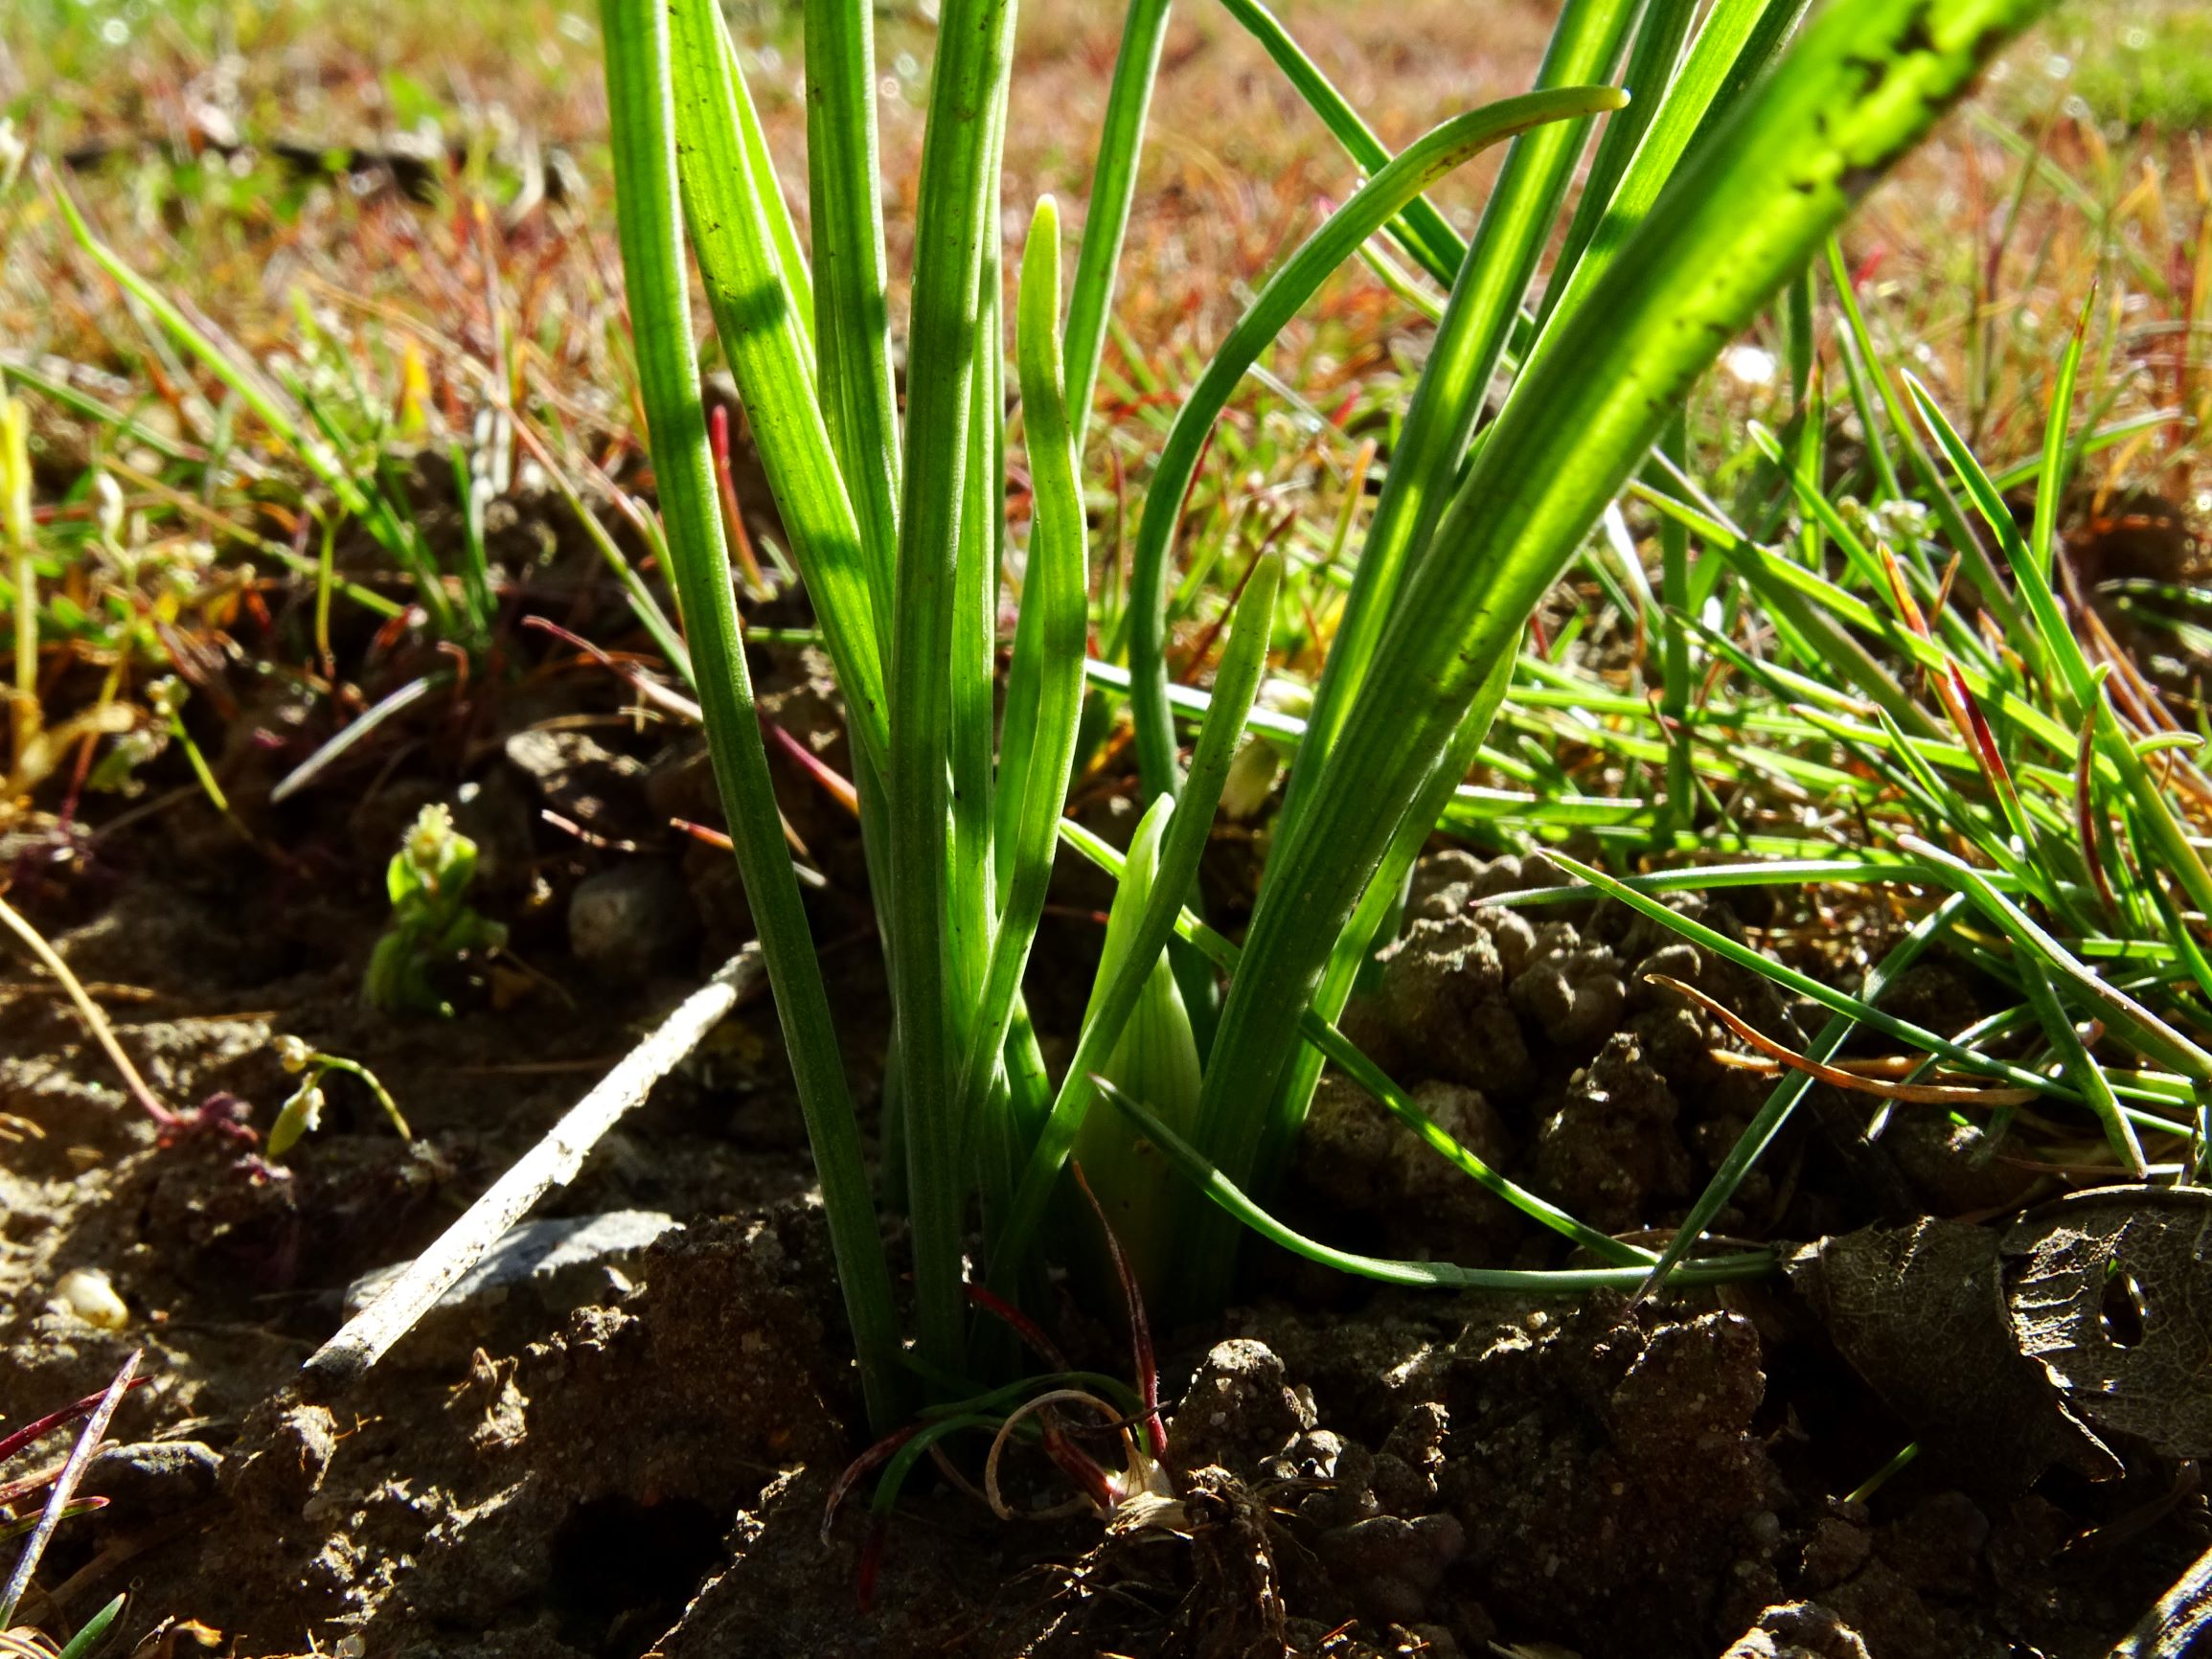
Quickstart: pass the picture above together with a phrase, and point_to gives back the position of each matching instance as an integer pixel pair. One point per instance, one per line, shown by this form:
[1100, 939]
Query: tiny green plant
[1731, 150]
[433, 925]
[302, 1112]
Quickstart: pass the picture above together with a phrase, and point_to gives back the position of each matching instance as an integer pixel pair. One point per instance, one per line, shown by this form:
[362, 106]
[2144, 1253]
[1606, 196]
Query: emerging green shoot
[433, 925]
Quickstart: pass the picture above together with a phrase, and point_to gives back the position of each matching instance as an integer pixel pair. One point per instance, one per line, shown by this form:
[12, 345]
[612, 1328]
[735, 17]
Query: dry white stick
[369, 1336]
[2179, 1625]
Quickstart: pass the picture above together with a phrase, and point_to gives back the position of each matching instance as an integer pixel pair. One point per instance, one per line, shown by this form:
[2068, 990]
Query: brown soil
[638, 1462]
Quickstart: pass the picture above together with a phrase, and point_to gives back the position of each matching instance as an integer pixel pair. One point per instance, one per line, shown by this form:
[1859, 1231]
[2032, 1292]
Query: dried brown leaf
[1920, 1313]
[2111, 1295]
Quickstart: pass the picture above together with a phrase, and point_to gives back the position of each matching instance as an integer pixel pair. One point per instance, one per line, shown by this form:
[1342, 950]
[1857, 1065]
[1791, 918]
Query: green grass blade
[1112, 186]
[2051, 475]
[1430, 158]
[1938, 493]
[475, 567]
[1330, 1041]
[2050, 644]
[2085, 444]
[643, 605]
[84, 403]
[641, 112]
[241, 378]
[88, 1637]
[1780, 582]
[1776, 1111]
[1420, 230]
[316, 444]
[2057, 1023]
[1804, 985]
[2127, 1017]
[1859, 361]
[1681, 801]
[1195, 1167]
[1155, 1057]
[2051, 641]
[2153, 814]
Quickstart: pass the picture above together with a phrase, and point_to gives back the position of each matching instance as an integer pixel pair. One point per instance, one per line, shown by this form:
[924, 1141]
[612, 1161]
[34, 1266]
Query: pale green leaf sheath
[1123, 979]
[1156, 1062]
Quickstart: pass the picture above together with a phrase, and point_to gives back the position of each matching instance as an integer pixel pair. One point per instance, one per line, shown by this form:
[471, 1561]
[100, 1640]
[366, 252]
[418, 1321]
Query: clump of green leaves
[1728, 156]
[433, 924]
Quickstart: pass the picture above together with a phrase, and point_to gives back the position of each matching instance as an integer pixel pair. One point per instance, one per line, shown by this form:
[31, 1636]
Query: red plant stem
[1020, 1323]
[17, 1438]
[1140, 1331]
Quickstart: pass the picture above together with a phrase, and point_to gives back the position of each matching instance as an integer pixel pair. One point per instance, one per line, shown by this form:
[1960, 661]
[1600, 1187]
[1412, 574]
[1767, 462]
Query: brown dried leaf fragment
[1919, 1312]
[2112, 1294]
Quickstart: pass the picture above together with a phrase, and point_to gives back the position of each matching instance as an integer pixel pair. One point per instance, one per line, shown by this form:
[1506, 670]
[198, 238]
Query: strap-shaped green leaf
[1235, 1203]
[851, 309]
[1470, 343]
[1112, 186]
[758, 317]
[641, 112]
[1424, 161]
[1421, 230]
[1516, 224]
[955, 213]
[1044, 684]
[1727, 33]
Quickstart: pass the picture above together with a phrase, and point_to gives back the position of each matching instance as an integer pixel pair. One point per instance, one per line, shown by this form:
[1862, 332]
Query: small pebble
[86, 1293]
